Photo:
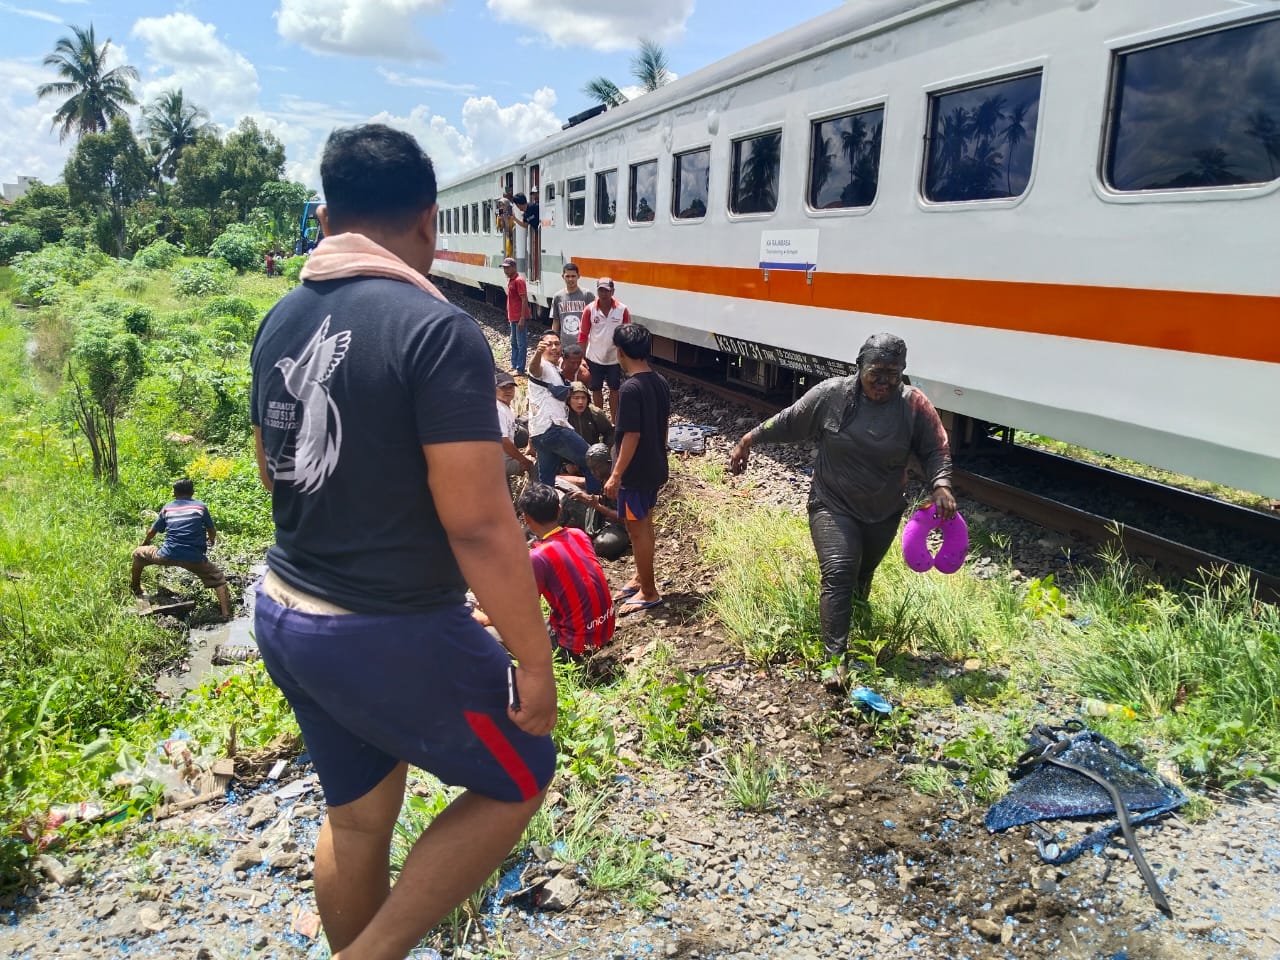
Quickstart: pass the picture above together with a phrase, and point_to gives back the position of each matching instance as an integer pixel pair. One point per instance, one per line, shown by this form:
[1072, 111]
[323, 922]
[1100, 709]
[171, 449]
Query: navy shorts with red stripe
[371, 690]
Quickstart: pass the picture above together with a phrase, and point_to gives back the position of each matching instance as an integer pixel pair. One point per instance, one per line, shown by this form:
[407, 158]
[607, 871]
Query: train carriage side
[989, 181]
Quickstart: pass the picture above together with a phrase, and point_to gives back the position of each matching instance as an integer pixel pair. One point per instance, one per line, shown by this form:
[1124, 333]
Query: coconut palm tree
[1013, 134]
[173, 123]
[94, 94]
[758, 188]
[649, 68]
[1262, 127]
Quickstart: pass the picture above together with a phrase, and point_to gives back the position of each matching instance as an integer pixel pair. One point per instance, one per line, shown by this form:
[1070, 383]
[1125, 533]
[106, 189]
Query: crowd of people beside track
[416, 528]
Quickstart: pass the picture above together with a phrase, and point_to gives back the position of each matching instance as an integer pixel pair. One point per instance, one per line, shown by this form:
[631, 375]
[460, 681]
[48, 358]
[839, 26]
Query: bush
[160, 255]
[134, 318]
[43, 276]
[289, 269]
[16, 240]
[237, 247]
[204, 279]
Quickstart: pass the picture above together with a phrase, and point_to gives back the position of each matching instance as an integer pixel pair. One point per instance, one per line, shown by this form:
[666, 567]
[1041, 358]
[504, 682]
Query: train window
[691, 184]
[607, 197]
[475, 218]
[1197, 112]
[551, 191]
[844, 160]
[440, 225]
[754, 184]
[576, 190]
[448, 221]
[644, 191]
[466, 219]
[982, 140]
[486, 209]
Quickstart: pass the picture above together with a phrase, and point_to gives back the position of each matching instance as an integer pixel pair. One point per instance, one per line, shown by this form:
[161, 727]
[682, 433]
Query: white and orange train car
[1068, 208]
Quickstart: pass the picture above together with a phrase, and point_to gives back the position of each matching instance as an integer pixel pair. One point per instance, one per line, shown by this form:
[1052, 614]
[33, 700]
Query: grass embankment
[78, 713]
[1191, 672]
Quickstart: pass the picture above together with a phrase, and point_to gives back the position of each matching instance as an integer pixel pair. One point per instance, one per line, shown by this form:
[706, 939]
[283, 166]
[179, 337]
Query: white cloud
[364, 28]
[429, 83]
[33, 14]
[186, 53]
[495, 130]
[27, 147]
[605, 25]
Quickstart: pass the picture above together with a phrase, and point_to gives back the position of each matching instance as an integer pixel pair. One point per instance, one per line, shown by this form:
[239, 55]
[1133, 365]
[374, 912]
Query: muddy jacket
[863, 447]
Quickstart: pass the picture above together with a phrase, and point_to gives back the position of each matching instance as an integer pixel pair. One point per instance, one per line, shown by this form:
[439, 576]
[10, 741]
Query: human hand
[944, 503]
[537, 689]
[612, 485]
[740, 454]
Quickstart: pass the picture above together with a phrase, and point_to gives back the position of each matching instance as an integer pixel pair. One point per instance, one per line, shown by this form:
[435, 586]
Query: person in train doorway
[866, 426]
[518, 315]
[553, 439]
[371, 396]
[529, 218]
[640, 467]
[567, 306]
[599, 321]
[187, 527]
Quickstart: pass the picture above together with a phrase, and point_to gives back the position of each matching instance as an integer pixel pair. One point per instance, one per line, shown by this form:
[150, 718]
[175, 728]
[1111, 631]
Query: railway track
[976, 478]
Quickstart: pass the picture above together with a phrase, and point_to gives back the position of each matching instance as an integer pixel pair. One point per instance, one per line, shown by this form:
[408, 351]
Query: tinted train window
[466, 220]
[551, 191]
[577, 192]
[475, 218]
[1198, 112]
[691, 184]
[448, 221]
[644, 191]
[844, 160]
[754, 187]
[607, 197]
[487, 207]
[440, 225]
[982, 140]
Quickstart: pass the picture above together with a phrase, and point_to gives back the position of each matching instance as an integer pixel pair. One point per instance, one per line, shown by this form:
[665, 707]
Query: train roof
[837, 28]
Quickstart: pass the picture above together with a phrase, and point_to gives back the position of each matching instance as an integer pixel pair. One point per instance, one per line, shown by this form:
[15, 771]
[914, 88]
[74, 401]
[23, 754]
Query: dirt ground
[849, 862]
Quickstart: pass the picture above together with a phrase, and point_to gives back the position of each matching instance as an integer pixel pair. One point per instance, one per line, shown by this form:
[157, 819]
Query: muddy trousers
[849, 551]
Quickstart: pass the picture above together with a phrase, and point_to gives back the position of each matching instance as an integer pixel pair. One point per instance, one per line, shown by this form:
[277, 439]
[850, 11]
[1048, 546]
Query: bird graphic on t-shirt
[319, 436]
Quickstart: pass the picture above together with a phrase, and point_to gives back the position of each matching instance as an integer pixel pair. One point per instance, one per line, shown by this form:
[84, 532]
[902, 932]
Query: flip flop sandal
[635, 606]
[625, 592]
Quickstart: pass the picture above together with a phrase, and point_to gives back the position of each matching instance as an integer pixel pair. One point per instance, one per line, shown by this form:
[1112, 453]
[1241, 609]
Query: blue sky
[472, 79]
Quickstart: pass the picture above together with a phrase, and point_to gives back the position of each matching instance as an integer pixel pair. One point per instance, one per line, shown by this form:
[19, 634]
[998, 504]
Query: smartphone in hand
[513, 692]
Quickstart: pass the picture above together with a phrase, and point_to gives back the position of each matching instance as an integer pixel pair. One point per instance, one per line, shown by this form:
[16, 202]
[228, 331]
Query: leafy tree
[107, 172]
[200, 175]
[106, 365]
[95, 95]
[251, 159]
[45, 209]
[649, 68]
[173, 123]
[282, 202]
[15, 240]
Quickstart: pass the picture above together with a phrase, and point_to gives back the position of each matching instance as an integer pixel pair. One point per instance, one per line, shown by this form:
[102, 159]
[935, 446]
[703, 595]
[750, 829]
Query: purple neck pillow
[915, 542]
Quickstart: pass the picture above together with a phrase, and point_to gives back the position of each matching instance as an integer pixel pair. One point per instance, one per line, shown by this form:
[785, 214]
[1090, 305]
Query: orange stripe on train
[1218, 324]
[472, 259]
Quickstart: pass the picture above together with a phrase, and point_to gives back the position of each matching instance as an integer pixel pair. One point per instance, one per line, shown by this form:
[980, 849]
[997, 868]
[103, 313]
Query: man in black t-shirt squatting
[377, 435]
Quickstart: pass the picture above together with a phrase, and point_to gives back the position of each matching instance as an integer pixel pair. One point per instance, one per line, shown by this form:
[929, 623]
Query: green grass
[77, 666]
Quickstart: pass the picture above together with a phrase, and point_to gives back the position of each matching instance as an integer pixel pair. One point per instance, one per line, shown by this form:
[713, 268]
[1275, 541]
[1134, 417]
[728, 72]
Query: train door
[535, 224]
[505, 221]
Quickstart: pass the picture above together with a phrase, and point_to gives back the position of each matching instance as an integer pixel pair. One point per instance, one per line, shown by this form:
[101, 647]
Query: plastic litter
[689, 437]
[866, 697]
[1100, 708]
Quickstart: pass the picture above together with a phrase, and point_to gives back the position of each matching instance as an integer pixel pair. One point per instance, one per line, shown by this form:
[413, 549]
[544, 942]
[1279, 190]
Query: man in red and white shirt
[599, 321]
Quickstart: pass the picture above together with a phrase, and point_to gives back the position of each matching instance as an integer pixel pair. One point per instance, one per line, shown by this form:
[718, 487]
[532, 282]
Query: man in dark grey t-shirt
[377, 435]
[567, 306]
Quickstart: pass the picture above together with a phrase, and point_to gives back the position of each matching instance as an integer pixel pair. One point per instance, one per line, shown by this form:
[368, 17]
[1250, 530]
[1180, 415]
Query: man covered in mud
[371, 397]
[187, 527]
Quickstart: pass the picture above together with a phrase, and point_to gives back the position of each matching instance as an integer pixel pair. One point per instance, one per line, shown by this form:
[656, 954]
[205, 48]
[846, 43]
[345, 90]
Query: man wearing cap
[599, 320]
[517, 315]
[516, 460]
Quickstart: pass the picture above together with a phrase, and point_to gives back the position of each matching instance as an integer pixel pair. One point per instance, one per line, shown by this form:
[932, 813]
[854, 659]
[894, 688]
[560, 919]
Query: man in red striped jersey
[186, 524]
[568, 574]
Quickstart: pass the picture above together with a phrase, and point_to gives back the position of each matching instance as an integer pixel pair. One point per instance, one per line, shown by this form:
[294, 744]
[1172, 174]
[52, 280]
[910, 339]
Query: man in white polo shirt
[599, 320]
